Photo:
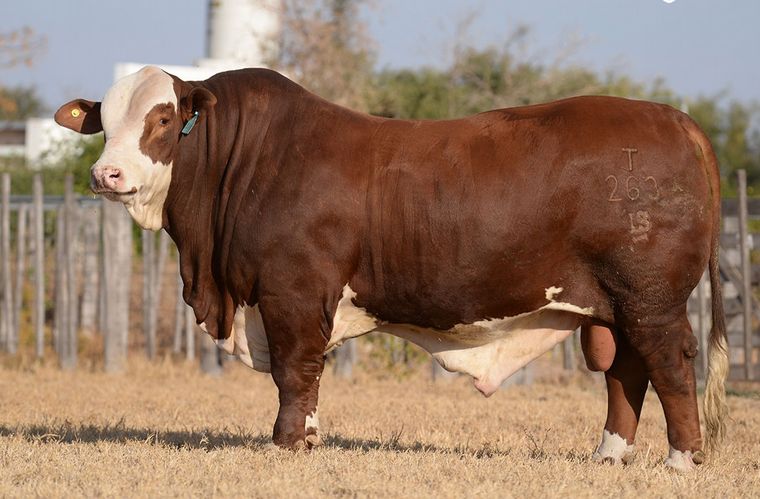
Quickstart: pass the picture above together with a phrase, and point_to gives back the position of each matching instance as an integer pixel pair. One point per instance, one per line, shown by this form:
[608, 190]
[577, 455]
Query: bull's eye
[163, 121]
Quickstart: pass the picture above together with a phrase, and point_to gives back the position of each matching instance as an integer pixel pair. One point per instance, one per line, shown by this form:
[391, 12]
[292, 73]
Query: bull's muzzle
[108, 180]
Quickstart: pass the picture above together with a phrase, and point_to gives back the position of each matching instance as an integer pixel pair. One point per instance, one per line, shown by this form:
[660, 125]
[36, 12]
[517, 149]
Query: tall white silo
[244, 31]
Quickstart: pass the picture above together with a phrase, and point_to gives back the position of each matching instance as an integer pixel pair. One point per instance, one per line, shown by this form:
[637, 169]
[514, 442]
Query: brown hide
[279, 193]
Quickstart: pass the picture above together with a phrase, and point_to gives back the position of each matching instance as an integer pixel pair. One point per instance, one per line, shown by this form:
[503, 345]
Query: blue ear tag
[190, 124]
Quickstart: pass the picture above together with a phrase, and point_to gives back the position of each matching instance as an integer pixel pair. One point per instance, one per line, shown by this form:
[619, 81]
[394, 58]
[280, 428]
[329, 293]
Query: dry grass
[166, 430]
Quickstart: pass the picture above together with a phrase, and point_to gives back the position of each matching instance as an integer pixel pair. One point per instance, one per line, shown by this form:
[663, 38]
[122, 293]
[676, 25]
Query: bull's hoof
[294, 445]
[309, 442]
[625, 458]
[313, 440]
[684, 461]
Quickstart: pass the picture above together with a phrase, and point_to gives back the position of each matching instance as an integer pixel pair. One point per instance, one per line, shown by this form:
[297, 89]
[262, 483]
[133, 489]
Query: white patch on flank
[489, 350]
[123, 113]
[614, 447]
[552, 292]
[680, 460]
[312, 419]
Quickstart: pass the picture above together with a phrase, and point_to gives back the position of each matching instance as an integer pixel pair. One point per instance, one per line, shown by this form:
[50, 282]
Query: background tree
[19, 47]
[324, 47]
[19, 103]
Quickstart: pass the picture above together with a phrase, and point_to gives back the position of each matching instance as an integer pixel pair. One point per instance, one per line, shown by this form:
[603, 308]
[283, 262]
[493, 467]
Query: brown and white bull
[485, 240]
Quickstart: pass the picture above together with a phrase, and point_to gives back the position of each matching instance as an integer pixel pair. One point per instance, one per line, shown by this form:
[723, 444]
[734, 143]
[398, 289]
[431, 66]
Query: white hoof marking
[680, 460]
[312, 420]
[614, 448]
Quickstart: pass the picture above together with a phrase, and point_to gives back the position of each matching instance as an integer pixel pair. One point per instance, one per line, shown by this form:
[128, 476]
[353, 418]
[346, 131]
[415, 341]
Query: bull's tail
[715, 408]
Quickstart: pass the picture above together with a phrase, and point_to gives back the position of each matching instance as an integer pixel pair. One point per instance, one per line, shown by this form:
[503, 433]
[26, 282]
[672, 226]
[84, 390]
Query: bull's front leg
[296, 348]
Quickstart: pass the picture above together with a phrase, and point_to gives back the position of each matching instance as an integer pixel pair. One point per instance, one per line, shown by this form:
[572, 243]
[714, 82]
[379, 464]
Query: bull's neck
[226, 162]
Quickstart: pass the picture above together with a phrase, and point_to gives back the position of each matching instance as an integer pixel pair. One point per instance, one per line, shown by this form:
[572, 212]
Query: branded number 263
[632, 187]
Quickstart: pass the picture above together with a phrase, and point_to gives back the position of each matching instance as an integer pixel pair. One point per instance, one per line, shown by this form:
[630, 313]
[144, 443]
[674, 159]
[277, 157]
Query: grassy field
[166, 430]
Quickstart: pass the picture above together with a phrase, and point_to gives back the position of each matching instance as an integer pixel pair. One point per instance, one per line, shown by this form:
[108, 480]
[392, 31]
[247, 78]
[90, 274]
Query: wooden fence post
[88, 310]
[345, 357]
[153, 270]
[102, 295]
[6, 322]
[18, 295]
[746, 293]
[117, 269]
[211, 360]
[179, 318]
[39, 266]
[158, 277]
[568, 353]
[59, 325]
[190, 331]
[149, 325]
[69, 343]
[703, 320]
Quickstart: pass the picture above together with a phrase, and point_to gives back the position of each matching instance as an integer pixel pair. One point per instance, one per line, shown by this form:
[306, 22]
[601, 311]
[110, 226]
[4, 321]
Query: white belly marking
[488, 350]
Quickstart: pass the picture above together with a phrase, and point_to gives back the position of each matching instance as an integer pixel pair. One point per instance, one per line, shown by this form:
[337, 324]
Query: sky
[699, 46]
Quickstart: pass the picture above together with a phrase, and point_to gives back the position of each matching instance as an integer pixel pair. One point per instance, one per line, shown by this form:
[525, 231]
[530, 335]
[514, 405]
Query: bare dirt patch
[166, 430]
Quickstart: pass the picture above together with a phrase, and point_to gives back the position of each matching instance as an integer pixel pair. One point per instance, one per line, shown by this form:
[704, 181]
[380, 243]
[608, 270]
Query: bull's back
[477, 217]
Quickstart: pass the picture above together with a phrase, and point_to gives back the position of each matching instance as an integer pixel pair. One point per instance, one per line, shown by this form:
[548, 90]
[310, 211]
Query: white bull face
[142, 116]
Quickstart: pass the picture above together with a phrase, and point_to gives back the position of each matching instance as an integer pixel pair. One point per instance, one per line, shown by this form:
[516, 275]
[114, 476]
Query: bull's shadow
[68, 433]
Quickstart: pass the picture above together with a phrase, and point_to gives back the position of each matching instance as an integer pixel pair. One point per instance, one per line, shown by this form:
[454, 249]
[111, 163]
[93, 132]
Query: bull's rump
[476, 218]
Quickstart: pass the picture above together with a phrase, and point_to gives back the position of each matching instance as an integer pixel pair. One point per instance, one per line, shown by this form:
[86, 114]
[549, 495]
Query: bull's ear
[198, 99]
[80, 115]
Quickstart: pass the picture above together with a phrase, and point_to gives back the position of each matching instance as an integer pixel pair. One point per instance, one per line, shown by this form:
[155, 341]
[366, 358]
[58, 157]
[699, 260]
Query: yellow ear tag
[75, 113]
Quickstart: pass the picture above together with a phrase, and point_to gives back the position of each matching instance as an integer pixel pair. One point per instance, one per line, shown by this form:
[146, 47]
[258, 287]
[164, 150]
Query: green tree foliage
[734, 136]
[419, 94]
[19, 103]
[63, 159]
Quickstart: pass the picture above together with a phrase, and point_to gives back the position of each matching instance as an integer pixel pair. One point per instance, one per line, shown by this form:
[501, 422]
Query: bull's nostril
[115, 174]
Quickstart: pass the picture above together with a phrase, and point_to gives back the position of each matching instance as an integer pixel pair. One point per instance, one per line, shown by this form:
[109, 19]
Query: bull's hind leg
[627, 383]
[668, 354]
